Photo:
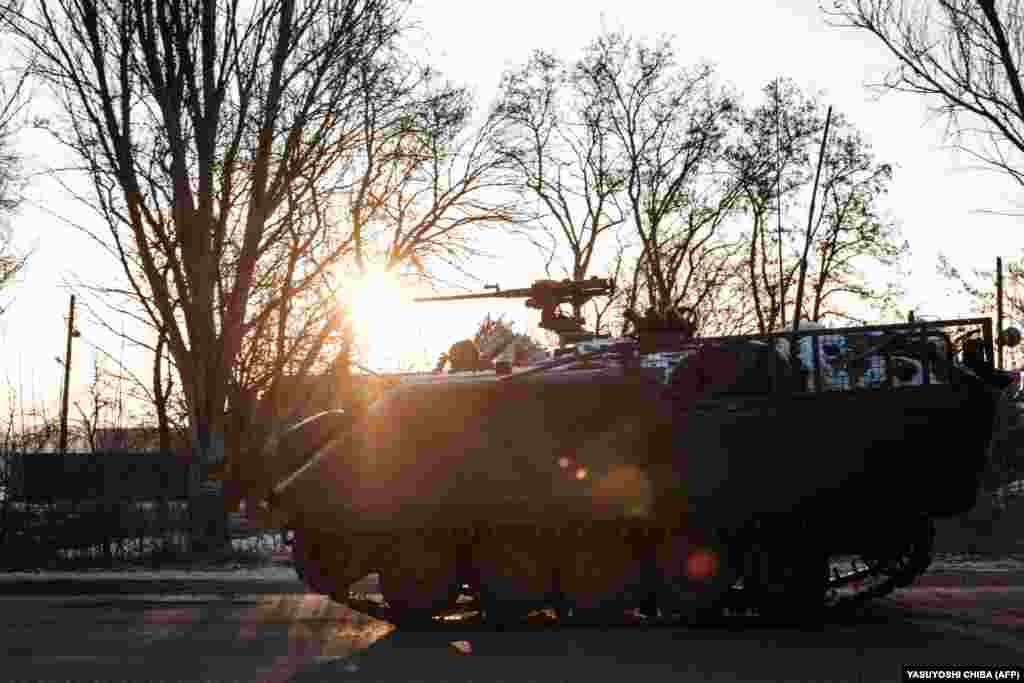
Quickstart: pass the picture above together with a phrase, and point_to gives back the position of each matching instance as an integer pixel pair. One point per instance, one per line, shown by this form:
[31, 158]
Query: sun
[392, 333]
[379, 306]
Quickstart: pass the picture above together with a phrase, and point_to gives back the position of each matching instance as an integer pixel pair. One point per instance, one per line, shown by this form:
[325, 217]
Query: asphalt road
[254, 632]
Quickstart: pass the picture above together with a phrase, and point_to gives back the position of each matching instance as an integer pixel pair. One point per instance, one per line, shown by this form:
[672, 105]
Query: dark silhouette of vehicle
[777, 473]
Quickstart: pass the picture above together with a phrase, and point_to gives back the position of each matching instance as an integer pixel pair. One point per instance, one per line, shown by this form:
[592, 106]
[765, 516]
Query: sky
[935, 196]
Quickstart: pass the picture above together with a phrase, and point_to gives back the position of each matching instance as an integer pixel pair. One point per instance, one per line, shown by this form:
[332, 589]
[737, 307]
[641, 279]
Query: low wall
[119, 476]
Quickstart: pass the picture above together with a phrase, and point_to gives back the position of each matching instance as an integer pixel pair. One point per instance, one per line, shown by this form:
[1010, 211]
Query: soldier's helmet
[463, 356]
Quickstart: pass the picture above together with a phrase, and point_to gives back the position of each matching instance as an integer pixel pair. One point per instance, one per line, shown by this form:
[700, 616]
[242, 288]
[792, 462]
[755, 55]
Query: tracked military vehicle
[664, 474]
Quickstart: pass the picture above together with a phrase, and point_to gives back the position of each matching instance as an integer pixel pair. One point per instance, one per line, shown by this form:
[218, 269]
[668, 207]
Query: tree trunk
[164, 431]
[207, 512]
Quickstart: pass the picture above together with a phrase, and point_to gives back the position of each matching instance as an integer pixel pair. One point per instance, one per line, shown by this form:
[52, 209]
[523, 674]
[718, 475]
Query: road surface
[271, 631]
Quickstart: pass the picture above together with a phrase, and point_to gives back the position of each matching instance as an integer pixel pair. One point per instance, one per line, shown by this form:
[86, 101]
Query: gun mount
[547, 296]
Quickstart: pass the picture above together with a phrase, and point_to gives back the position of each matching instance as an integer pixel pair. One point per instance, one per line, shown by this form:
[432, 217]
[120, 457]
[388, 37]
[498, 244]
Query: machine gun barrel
[565, 291]
[500, 294]
[547, 296]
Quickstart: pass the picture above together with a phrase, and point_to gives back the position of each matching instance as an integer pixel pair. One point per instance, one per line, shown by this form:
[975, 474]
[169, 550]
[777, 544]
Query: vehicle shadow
[872, 646]
[276, 638]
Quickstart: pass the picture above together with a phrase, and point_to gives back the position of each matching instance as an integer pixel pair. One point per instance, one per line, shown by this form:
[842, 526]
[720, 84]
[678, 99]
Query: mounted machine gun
[547, 296]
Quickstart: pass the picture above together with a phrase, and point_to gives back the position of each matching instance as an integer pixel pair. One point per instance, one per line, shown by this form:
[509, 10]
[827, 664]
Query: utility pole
[72, 333]
[999, 309]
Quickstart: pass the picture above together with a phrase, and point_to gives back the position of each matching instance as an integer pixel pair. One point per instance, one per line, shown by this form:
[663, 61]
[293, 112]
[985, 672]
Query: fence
[102, 508]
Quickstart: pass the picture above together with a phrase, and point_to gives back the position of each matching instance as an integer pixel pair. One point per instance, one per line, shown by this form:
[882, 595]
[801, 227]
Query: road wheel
[515, 574]
[420, 580]
[323, 563]
[792, 586]
[598, 574]
[908, 553]
[694, 577]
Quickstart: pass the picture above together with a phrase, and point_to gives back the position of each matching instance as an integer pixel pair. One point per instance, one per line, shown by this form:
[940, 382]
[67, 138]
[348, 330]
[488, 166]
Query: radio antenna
[778, 198]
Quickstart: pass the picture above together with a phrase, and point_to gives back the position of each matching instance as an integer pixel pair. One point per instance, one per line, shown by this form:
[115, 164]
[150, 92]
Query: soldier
[463, 356]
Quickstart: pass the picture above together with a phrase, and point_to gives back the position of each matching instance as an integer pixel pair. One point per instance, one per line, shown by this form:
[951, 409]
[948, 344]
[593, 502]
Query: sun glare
[392, 333]
[379, 306]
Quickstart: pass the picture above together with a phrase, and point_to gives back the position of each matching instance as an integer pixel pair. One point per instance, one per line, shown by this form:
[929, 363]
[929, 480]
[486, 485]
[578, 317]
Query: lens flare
[702, 563]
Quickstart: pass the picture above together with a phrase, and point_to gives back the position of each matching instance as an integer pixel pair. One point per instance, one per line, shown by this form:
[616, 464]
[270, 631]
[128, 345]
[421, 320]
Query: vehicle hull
[586, 446]
[735, 477]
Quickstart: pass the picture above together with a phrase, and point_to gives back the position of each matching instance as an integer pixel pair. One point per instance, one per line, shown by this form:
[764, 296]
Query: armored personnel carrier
[663, 474]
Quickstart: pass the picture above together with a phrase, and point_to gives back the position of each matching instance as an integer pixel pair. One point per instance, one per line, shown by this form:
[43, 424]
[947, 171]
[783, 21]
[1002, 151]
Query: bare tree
[607, 313]
[29, 428]
[202, 126]
[979, 287]
[430, 177]
[771, 162]
[774, 162]
[94, 413]
[157, 394]
[423, 181]
[565, 157]
[162, 389]
[853, 232]
[12, 262]
[669, 125]
[496, 337]
[12, 105]
[964, 56]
